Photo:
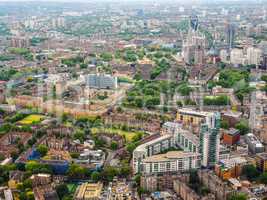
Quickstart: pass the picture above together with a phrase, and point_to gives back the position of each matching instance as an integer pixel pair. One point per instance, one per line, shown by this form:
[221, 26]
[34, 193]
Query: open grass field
[31, 119]
[129, 135]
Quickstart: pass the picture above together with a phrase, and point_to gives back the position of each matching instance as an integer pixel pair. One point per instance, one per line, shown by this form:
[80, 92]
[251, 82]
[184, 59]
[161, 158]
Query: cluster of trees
[162, 66]
[42, 150]
[6, 74]
[243, 127]
[6, 57]
[229, 77]
[184, 89]
[220, 100]
[264, 78]
[108, 173]
[252, 174]
[146, 94]
[72, 62]
[130, 56]
[35, 167]
[26, 53]
[106, 56]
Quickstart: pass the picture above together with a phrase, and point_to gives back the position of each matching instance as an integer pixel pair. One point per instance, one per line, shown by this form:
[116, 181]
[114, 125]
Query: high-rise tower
[210, 142]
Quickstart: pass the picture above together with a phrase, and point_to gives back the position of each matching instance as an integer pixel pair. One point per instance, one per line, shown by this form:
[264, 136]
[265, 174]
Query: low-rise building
[41, 179]
[254, 145]
[101, 81]
[231, 136]
[120, 190]
[89, 191]
[192, 117]
[230, 168]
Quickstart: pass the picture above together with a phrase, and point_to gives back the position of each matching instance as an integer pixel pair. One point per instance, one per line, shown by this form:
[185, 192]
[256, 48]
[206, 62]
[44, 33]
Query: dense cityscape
[133, 100]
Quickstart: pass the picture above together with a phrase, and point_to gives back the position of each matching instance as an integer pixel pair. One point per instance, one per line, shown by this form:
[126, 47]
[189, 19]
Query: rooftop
[195, 112]
[169, 156]
[142, 147]
[262, 156]
[89, 191]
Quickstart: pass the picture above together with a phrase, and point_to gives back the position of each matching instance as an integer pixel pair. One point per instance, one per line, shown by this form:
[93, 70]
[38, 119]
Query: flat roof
[195, 112]
[171, 155]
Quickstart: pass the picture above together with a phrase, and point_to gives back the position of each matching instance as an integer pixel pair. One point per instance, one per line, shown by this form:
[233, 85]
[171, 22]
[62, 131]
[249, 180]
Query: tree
[243, 127]
[95, 176]
[76, 171]
[224, 124]
[62, 190]
[251, 172]
[125, 170]
[114, 145]
[106, 56]
[238, 196]
[109, 173]
[263, 178]
[264, 78]
[79, 135]
[42, 149]
[131, 147]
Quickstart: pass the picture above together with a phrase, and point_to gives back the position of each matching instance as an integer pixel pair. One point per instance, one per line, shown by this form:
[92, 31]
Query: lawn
[31, 119]
[129, 135]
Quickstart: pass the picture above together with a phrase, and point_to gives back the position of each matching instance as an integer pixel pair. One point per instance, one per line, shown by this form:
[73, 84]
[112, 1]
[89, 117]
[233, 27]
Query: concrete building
[224, 56]
[230, 168]
[254, 145]
[231, 136]
[101, 81]
[230, 35]
[20, 42]
[193, 117]
[194, 45]
[217, 186]
[89, 191]
[210, 142]
[261, 162]
[119, 190]
[41, 179]
[183, 138]
[2, 91]
[237, 57]
[8, 194]
[158, 182]
[186, 193]
[172, 161]
[151, 148]
[254, 56]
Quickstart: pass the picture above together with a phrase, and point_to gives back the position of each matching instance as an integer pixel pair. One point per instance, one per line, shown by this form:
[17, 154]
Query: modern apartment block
[195, 118]
[174, 135]
[101, 81]
[210, 142]
[172, 161]
[151, 148]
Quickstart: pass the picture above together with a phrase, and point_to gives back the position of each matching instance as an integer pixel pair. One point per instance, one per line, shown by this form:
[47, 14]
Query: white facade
[254, 56]
[237, 56]
[172, 161]
[224, 55]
